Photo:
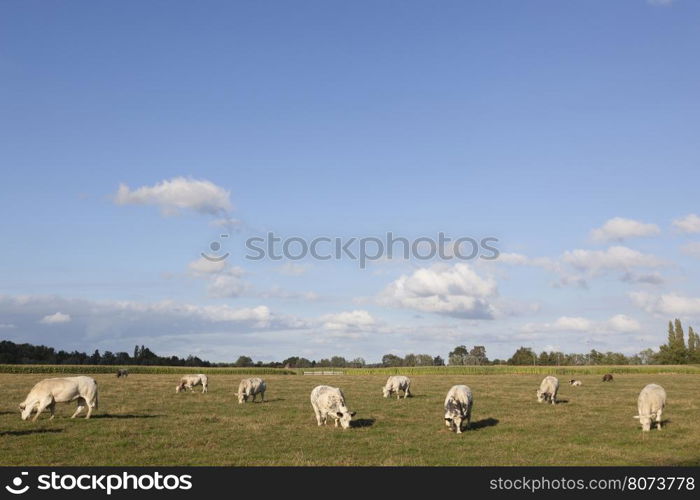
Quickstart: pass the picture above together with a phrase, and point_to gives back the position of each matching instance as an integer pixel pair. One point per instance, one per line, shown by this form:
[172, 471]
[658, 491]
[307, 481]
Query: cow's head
[26, 410]
[345, 416]
[179, 387]
[242, 397]
[386, 392]
[645, 421]
[453, 419]
[541, 395]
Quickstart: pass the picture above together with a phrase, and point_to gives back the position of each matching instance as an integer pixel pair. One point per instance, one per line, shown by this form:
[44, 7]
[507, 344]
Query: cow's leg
[205, 388]
[262, 396]
[554, 399]
[469, 418]
[81, 405]
[41, 405]
[317, 413]
[658, 419]
[52, 409]
[406, 392]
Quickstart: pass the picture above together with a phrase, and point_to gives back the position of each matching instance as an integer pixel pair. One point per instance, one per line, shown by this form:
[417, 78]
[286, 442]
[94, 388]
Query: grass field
[141, 421]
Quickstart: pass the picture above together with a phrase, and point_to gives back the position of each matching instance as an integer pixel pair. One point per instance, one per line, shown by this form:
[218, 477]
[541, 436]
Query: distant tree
[458, 356]
[438, 361]
[338, 362]
[478, 355]
[424, 360]
[647, 357]
[523, 356]
[391, 360]
[244, 361]
[410, 360]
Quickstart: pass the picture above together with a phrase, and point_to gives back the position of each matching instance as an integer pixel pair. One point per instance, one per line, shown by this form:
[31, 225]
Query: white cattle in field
[330, 401]
[395, 384]
[650, 406]
[251, 387]
[575, 383]
[548, 390]
[458, 407]
[50, 391]
[190, 381]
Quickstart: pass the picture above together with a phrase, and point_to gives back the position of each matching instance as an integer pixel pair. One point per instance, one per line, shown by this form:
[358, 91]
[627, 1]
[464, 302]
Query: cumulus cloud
[616, 258]
[173, 196]
[450, 290]
[228, 284]
[619, 228]
[348, 320]
[619, 323]
[204, 266]
[688, 224]
[670, 304]
[52, 319]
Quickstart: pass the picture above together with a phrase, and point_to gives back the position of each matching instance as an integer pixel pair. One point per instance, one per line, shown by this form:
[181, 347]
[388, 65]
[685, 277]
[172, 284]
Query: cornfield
[532, 370]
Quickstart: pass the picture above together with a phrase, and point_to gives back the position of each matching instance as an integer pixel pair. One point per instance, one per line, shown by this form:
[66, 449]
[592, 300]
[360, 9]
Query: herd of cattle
[326, 401]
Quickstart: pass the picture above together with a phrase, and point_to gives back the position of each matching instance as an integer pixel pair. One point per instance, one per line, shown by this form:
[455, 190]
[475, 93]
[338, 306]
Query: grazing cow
[458, 407]
[576, 383]
[330, 401]
[50, 391]
[608, 377]
[650, 406]
[190, 381]
[122, 373]
[395, 384]
[251, 387]
[548, 390]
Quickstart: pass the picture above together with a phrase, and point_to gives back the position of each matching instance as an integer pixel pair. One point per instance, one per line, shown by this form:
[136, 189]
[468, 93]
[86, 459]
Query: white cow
[395, 384]
[650, 406]
[326, 401]
[251, 387]
[50, 391]
[190, 381]
[548, 390]
[575, 383]
[458, 407]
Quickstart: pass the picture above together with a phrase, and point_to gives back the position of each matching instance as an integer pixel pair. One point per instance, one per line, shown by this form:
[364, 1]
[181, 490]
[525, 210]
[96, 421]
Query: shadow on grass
[109, 415]
[483, 423]
[26, 433]
[362, 422]
[562, 401]
[270, 400]
[8, 412]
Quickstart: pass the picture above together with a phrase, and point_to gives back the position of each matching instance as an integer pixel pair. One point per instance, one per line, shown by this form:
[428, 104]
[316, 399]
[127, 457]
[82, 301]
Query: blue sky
[536, 122]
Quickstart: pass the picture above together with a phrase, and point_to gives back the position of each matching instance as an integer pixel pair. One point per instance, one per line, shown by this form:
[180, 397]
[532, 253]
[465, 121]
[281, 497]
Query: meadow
[141, 421]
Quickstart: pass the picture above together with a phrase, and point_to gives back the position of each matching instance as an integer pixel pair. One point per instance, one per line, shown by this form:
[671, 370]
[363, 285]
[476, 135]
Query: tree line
[676, 351]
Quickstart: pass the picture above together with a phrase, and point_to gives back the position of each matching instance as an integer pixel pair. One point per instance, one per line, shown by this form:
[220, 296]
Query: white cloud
[670, 304]
[451, 290]
[692, 249]
[348, 320]
[623, 323]
[173, 196]
[619, 323]
[619, 228]
[228, 284]
[204, 266]
[7, 326]
[618, 258]
[688, 224]
[55, 318]
[654, 278]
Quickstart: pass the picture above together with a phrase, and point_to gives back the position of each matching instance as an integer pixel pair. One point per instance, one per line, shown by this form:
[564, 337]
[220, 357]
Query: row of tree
[675, 351]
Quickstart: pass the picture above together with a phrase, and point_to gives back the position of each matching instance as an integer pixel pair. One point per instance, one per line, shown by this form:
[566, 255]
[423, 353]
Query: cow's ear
[352, 413]
[340, 413]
